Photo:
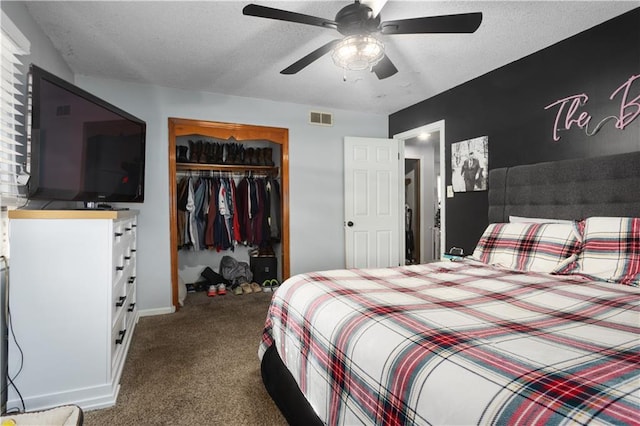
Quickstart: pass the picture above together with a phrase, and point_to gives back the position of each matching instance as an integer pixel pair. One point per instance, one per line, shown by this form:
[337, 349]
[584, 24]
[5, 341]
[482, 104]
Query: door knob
[349, 224]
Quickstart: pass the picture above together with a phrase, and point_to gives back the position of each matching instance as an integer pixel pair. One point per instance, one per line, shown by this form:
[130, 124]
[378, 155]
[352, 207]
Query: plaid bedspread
[459, 343]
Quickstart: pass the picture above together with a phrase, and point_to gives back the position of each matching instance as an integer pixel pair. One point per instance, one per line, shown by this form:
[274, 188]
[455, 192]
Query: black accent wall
[508, 106]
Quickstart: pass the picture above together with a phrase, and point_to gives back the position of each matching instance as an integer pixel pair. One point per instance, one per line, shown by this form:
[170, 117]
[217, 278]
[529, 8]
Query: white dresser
[73, 305]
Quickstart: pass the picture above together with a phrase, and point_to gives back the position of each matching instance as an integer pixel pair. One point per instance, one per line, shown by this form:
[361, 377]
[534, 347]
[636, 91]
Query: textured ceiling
[211, 46]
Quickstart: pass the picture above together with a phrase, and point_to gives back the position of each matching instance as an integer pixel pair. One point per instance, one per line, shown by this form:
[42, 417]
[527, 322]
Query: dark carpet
[198, 366]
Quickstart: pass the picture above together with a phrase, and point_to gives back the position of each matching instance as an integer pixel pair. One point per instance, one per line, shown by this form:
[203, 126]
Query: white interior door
[372, 219]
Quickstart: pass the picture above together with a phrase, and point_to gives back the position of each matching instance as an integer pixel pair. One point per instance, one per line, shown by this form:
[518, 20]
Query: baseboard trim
[157, 311]
[88, 398]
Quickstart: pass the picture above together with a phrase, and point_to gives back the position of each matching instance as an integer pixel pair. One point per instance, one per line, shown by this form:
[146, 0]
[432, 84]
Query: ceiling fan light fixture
[358, 52]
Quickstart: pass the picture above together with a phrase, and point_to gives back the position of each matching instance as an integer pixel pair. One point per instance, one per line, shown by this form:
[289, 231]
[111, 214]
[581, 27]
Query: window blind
[12, 111]
[13, 91]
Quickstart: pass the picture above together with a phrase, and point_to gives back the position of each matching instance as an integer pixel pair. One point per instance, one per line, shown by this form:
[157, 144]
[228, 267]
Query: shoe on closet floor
[255, 287]
[221, 289]
[212, 290]
[270, 285]
[246, 288]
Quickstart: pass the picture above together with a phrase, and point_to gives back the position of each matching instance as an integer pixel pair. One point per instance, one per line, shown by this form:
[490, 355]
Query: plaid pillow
[611, 250]
[535, 247]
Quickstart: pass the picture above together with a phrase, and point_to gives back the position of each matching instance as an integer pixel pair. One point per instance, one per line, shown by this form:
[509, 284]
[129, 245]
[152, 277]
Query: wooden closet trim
[183, 127]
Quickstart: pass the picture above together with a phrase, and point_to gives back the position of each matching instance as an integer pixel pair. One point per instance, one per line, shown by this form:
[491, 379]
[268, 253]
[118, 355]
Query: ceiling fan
[360, 23]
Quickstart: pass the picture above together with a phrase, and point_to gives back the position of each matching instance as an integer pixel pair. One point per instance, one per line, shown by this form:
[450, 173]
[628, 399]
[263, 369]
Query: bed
[540, 326]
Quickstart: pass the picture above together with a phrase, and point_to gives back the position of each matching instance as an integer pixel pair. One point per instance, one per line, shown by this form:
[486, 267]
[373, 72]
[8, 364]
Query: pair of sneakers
[270, 285]
[217, 289]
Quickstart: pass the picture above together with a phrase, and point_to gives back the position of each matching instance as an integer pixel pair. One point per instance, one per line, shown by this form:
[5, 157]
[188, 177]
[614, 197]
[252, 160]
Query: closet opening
[215, 167]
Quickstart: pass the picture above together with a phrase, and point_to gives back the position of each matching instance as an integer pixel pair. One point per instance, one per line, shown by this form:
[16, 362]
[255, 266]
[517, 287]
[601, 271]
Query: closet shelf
[226, 167]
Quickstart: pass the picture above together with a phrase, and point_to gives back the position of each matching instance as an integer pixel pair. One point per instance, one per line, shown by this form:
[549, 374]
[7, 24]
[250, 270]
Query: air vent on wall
[321, 118]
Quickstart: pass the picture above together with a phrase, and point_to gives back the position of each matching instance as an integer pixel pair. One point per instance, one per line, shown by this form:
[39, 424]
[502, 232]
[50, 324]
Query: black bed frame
[568, 189]
[285, 391]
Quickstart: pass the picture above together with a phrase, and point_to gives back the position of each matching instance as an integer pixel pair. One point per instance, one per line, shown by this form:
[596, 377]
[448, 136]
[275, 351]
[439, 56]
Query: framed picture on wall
[469, 164]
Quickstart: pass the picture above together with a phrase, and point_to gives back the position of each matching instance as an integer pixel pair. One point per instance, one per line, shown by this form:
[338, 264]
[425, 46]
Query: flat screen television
[82, 147]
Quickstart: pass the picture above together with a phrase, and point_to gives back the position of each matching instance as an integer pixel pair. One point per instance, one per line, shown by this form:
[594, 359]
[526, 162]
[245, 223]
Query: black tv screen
[82, 147]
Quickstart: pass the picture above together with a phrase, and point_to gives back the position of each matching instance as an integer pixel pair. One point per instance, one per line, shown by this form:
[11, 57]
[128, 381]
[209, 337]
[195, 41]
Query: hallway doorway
[422, 152]
[412, 210]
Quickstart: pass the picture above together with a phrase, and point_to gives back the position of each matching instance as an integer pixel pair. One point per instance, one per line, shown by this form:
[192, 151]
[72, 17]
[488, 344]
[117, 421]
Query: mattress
[459, 343]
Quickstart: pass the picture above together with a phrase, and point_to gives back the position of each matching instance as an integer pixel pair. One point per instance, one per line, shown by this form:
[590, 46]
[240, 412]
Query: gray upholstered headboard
[568, 189]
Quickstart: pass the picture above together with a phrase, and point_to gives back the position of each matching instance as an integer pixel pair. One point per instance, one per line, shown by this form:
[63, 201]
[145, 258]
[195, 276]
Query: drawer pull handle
[133, 250]
[119, 268]
[127, 229]
[118, 234]
[121, 335]
[131, 279]
[127, 257]
[132, 306]
[121, 300]
[134, 225]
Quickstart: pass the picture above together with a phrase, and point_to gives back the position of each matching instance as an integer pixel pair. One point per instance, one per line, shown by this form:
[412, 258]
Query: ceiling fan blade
[285, 15]
[375, 5]
[384, 68]
[311, 57]
[462, 23]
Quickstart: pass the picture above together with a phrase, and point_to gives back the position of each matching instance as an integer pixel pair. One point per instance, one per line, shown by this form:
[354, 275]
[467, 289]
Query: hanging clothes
[192, 234]
[200, 193]
[212, 213]
[273, 190]
[216, 214]
[181, 204]
[234, 206]
[242, 209]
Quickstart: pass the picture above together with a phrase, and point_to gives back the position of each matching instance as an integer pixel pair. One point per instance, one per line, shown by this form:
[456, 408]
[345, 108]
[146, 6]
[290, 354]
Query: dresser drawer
[124, 235]
[119, 300]
[118, 338]
[118, 234]
[131, 306]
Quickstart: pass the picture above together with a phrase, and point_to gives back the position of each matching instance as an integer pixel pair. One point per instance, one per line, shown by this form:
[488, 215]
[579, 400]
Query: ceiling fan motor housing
[357, 19]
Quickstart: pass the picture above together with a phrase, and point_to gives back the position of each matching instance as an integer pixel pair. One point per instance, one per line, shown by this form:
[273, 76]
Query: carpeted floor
[198, 366]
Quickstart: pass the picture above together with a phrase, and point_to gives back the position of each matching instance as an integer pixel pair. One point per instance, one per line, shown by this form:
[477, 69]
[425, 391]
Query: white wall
[43, 53]
[315, 153]
[315, 169]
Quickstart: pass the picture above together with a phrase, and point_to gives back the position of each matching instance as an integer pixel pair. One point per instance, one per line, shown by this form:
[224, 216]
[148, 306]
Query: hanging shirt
[274, 214]
[192, 234]
[242, 207]
[236, 222]
[181, 205]
[225, 210]
[212, 212]
[200, 219]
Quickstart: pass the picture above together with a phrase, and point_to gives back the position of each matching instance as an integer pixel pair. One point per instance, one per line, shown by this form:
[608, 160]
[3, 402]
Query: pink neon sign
[569, 115]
